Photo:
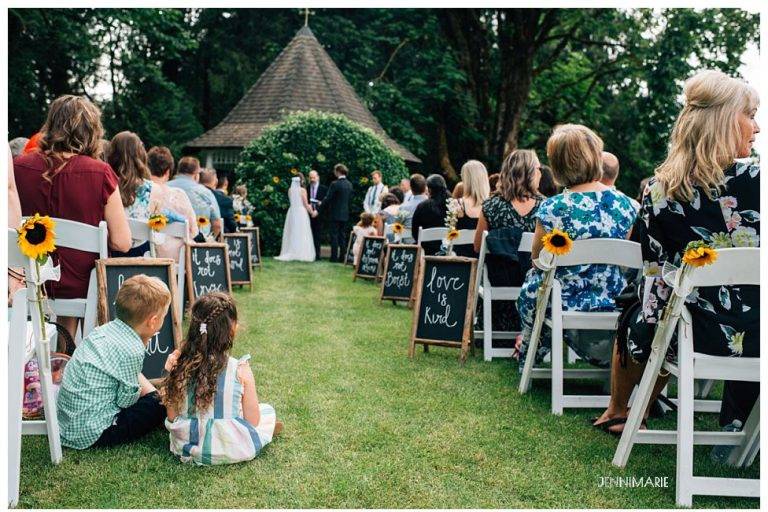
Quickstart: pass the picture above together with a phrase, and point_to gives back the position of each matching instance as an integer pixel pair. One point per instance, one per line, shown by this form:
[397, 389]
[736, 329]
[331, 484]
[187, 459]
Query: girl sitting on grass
[214, 415]
[362, 229]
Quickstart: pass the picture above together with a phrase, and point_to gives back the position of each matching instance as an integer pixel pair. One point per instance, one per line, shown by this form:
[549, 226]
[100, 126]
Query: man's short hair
[377, 172]
[17, 146]
[188, 165]
[221, 180]
[418, 184]
[159, 160]
[610, 166]
[340, 169]
[140, 297]
[208, 177]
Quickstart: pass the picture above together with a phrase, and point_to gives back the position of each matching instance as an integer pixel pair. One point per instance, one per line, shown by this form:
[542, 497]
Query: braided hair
[204, 353]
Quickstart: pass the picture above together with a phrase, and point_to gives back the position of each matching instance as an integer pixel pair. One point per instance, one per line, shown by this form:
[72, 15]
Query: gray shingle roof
[302, 77]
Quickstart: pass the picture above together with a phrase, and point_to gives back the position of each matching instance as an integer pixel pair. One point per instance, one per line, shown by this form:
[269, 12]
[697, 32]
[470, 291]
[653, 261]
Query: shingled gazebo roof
[302, 77]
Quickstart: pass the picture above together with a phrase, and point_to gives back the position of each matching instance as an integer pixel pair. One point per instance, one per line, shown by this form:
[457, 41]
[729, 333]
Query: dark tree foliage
[449, 84]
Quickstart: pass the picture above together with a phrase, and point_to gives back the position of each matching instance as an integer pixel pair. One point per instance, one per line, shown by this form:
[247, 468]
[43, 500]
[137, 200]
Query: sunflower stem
[42, 358]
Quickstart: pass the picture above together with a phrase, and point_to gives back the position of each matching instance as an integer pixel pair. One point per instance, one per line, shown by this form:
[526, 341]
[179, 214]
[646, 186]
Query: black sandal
[605, 425]
[643, 423]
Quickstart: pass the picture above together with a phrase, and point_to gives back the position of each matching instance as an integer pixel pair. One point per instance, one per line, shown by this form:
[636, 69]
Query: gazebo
[302, 77]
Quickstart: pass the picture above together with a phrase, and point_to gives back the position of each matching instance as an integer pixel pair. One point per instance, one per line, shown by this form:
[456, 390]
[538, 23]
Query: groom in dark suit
[316, 194]
[336, 207]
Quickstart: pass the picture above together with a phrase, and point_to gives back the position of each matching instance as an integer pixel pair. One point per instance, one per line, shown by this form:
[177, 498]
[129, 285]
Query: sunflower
[247, 218]
[398, 228]
[157, 222]
[275, 180]
[237, 217]
[557, 242]
[452, 235]
[698, 254]
[294, 171]
[202, 221]
[36, 237]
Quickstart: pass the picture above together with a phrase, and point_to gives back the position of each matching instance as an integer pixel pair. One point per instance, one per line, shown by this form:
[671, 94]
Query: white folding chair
[140, 233]
[734, 266]
[179, 230]
[592, 251]
[466, 236]
[488, 293]
[404, 236]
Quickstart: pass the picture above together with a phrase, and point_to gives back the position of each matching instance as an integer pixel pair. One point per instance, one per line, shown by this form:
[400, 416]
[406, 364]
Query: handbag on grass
[32, 403]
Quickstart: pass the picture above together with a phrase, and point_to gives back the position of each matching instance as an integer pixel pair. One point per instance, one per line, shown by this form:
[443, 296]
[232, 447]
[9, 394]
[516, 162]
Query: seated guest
[104, 398]
[362, 229]
[611, 174]
[513, 207]
[475, 190]
[699, 192]
[398, 193]
[15, 275]
[17, 146]
[585, 209]
[458, 191]
[214, 414]
[405, 186]
[63, 177]
[493, 182]
[390, 207]
[210, 180]
[432, 212]
[160, 163]
[641, 189]
[418, 194]
[127, 157]
[547, 185]
[203, 201]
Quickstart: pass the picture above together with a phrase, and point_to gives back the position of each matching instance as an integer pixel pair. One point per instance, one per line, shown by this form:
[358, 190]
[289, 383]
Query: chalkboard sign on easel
[110, 275]
[401, 263]
[444, 303]
[349, 256]
[239, 252]
[255, 245]
[207, 269]
[370, 257]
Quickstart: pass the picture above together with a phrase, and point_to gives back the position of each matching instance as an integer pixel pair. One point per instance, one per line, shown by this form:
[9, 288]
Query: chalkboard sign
[207, 269]
[349, 258]
[370, 257]
[110, 275]
[239, 251]
[444, 303]
[255, 245]
[400, 265]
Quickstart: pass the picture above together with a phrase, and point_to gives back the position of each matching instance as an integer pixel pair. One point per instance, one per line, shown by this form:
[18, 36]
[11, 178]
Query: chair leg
[487, 324]
[557, 356]
[704, 387]
[741, 455]
[46, 383]
[16, 339]
[684, 496]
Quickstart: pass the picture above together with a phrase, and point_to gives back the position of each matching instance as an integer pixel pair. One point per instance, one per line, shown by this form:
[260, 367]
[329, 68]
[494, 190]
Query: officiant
[316, 193]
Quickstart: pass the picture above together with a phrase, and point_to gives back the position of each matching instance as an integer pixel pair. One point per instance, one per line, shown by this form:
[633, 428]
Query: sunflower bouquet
[398, 227]
[37, 240]
[157, 222]
[453, 208]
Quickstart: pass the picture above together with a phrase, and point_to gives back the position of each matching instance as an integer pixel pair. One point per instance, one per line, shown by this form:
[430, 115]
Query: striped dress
[220, 435]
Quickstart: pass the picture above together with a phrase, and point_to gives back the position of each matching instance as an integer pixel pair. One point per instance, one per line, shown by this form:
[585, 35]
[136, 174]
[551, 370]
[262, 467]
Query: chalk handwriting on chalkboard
[236, 260]
[441, 285]
[203, 266]
[369, 259]
[155, 347]
[397, 272]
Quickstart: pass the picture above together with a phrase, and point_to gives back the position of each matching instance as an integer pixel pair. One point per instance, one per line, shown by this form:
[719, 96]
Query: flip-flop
[643, 423]
[605, 425]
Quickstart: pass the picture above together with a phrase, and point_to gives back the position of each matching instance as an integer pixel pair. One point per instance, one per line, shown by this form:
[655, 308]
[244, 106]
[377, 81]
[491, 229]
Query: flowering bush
[304, 141]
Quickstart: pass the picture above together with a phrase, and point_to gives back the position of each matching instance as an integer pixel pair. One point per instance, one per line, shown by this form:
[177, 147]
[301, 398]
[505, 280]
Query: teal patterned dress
[602, 214]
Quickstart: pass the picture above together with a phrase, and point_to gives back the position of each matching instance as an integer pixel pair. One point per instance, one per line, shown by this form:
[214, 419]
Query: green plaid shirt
[101, 378]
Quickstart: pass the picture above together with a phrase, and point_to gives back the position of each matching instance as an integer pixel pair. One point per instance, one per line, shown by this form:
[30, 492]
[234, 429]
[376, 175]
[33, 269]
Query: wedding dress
[297, 233]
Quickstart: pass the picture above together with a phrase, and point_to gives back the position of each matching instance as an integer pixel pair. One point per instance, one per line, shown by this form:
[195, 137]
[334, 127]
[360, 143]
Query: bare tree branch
[391, 58]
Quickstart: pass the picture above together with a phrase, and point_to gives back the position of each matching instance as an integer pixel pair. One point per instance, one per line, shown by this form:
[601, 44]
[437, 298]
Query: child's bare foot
[278, 428]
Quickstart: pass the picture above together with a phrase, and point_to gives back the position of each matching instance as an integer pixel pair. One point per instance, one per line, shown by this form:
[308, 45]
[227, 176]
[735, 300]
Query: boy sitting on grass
[104, 399]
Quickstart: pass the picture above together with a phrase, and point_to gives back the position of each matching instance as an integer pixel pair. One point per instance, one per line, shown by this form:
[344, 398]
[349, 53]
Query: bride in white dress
[297, 233]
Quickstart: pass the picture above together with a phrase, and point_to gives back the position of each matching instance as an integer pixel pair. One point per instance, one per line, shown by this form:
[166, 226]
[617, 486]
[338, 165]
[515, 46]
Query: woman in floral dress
[585, 209]
[699, 193]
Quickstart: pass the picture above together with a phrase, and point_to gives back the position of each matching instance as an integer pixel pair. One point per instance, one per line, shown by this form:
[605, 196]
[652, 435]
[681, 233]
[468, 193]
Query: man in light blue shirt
[418, 194]
[203, 201]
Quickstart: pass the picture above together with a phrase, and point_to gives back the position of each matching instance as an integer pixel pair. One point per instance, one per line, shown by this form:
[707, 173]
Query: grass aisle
[366, 427]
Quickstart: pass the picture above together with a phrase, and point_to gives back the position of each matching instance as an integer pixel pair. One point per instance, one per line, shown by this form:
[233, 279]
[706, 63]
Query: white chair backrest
[388, 231]
[76, 235]
[734, 266]
[177, 230]
[605, 251]
[466, 236]
[15, 258]
[526, 245]
[140, 230]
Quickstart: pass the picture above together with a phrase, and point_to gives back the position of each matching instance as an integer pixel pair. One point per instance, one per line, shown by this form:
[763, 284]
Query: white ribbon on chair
[47, 272]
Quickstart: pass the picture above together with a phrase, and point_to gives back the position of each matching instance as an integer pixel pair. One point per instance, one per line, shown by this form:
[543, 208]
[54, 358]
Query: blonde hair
[706, 135]
[576, 155]
[74, 126]
[517, 176]
[474, 177]
[140, 297]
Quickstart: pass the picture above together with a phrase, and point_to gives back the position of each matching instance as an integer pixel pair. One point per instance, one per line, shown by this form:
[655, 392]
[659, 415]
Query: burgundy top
[79, 192]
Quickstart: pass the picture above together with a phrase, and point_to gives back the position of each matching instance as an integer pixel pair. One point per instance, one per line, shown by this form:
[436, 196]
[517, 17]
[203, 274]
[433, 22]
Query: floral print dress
[729, 217]
[583, 215]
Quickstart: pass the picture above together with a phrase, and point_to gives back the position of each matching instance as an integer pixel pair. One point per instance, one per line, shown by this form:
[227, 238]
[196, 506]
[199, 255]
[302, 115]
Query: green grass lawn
[365, 427]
